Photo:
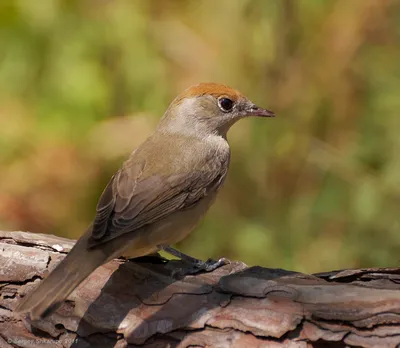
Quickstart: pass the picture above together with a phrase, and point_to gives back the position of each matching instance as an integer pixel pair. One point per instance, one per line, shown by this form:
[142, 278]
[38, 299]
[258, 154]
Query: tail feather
[76, 266]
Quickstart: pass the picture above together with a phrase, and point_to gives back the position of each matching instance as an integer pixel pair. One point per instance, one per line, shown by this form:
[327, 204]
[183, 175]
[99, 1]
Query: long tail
[76, 266]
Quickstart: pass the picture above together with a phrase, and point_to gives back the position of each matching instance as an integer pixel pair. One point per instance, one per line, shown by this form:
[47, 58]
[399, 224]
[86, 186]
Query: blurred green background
[82, 83]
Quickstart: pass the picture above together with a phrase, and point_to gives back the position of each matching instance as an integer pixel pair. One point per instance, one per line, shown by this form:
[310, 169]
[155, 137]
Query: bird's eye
[225, 104]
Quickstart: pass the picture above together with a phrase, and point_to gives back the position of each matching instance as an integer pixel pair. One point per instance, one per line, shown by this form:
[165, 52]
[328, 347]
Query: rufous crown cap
[215, 89]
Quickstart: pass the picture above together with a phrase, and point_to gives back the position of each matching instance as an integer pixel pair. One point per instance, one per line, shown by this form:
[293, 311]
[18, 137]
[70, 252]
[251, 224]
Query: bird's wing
[132, 200]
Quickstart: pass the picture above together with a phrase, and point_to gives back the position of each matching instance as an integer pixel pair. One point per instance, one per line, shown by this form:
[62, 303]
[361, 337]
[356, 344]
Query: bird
[159, 194]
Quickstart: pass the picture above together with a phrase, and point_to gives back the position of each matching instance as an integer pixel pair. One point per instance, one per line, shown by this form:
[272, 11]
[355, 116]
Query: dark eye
[225, 104]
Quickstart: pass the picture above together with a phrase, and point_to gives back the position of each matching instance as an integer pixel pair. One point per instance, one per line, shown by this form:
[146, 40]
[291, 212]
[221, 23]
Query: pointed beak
[254, 110]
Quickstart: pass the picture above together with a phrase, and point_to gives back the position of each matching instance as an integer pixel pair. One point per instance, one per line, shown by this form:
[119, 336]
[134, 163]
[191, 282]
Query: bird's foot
[195, 265]
[200, 266]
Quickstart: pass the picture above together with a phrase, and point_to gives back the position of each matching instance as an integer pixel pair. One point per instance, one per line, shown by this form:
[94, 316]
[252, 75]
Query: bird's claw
[211, 265]
[206, 266]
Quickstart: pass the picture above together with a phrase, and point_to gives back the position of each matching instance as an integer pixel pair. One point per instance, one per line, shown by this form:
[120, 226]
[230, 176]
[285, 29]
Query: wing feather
[149, 200]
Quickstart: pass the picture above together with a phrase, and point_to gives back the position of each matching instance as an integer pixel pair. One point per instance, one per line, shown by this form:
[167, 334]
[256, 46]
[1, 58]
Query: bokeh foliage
[317, 188]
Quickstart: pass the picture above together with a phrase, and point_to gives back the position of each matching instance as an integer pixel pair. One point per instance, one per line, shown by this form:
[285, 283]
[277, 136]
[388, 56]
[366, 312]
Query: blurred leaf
[84, 82]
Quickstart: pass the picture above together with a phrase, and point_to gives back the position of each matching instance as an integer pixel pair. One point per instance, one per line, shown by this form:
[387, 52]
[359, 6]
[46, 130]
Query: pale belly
[169, 230]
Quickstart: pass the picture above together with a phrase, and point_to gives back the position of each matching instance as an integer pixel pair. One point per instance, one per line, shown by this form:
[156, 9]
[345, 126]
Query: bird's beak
[254, 110]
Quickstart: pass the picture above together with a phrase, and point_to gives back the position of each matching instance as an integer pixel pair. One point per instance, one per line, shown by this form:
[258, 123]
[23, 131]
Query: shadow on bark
[138, 303]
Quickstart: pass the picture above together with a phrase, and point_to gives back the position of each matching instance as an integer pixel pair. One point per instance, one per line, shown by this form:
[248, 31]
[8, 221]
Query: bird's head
[209, 108]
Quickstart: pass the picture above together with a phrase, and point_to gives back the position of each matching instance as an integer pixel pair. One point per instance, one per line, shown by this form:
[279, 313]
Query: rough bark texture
[139, 304]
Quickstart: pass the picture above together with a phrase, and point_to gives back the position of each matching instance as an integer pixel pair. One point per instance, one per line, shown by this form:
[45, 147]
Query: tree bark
[138, 303]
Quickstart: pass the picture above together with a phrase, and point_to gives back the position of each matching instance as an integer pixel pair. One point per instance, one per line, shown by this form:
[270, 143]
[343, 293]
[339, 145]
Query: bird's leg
[196, 265]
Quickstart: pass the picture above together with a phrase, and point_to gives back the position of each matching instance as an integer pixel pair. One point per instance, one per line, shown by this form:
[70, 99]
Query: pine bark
[129, 303]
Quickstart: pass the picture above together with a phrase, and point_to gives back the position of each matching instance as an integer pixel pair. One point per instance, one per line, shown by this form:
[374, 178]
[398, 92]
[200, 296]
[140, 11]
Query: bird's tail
[76, 266]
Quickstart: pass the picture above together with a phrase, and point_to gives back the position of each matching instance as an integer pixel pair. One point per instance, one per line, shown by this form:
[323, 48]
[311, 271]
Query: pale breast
[210, 157]
[219, 151]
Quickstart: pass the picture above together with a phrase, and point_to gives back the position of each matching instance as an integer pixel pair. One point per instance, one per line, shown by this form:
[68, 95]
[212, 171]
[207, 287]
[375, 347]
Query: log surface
[139, 304]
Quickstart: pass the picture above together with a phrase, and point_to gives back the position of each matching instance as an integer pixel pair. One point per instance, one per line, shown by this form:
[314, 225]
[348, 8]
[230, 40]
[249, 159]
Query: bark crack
[127, 305]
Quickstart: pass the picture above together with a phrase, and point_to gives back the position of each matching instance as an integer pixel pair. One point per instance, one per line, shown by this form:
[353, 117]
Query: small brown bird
[160, 193]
